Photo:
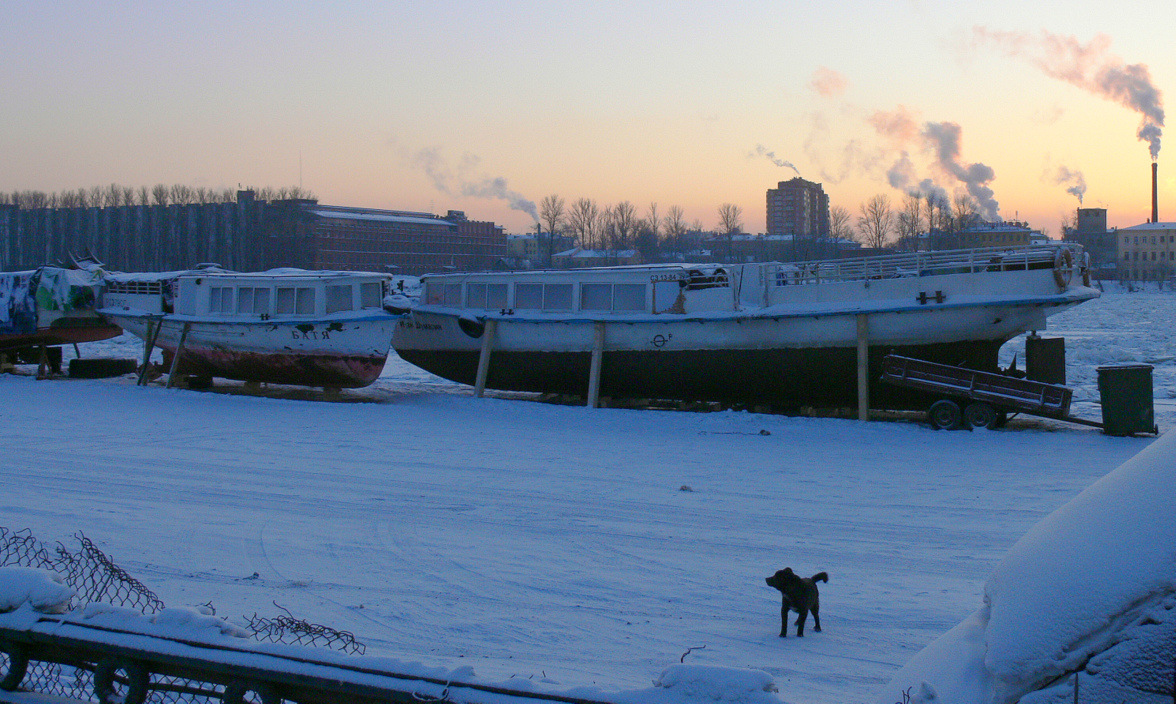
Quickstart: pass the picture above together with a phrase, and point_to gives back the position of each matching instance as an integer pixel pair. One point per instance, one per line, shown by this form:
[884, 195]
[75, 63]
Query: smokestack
[1155, 201]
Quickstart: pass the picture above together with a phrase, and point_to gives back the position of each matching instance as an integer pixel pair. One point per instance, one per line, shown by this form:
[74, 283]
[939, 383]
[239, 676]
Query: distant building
[779, 248]
[995, 234]
[1147, 252]
[578, 257]
[533, 251]
[249, 235]
[798, 208]
[1098, 241]
[307, 235]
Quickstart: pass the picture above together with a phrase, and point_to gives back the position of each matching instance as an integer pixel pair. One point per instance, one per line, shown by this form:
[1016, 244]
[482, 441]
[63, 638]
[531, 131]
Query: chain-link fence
[94, 577]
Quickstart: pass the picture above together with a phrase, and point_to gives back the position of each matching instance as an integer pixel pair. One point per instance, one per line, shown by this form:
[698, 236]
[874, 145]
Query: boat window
[557, 297]
[475, 295]
[220, 299]
[261, 301]
[304, 301]
[452, 295]
[528, 296]
[339, 298]
[697, 280]
[245, 300]
[370, 295]
[214, 299]
[629, 297]
[495, 295]
[284, 301]
[596, 297]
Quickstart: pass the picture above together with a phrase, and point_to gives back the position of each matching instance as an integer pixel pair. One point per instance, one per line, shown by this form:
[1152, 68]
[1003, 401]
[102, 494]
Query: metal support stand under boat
[594, 370]
[154, 325]
[171, 375]
[484, 357]
[863, 365]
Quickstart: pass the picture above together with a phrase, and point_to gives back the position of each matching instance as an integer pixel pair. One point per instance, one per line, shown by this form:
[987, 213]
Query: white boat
[285, 326]
[779, 334]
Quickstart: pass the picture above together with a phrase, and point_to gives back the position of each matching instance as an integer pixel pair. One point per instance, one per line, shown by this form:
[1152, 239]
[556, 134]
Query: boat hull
[784, 361]
[331, 353]
[782, 378]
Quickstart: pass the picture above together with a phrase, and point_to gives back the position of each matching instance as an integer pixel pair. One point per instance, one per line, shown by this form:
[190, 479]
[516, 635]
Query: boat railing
[914, 264]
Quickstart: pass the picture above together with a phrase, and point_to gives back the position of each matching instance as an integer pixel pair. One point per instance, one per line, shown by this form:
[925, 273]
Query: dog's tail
[820, 577]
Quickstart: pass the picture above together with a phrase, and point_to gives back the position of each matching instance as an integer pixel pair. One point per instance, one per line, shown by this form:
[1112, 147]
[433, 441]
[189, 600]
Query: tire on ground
[980, 415]
[944, 414]
[100, 368]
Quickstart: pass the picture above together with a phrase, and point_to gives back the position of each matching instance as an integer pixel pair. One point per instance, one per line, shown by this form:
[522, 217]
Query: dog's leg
[816, 618]
[784, 618]
[800, 623]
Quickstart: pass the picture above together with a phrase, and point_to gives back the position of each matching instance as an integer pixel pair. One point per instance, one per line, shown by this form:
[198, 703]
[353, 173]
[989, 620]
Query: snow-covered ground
[556, 543]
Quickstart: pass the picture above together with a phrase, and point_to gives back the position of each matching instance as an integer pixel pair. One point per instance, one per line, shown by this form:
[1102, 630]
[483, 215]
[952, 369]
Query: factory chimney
[1155, 201]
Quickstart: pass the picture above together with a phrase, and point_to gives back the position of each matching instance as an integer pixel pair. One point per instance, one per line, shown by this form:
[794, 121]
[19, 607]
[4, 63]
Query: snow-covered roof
[1150, 227]
[378, 216]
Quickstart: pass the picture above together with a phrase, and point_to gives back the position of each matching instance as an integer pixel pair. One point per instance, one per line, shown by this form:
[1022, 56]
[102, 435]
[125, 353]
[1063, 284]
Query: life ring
[1063, 267]
[1086, 269]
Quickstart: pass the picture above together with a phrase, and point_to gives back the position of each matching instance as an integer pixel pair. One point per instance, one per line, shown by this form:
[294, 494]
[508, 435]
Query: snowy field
[561, 545]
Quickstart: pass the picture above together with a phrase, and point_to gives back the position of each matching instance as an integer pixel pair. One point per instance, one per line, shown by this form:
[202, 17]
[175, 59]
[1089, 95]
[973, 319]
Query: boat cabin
[259, 296]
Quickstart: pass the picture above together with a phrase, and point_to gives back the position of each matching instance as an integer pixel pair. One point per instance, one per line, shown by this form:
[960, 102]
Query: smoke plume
[944, 137]
[437, 168]
[497, 188]
[902, 177]
[762, 151]
[828, 83]
[1091, 67]
[1075, 181]
[900, 127]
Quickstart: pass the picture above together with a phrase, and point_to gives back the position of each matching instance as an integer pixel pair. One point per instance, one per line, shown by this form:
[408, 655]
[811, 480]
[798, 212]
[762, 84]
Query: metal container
[1126, 394]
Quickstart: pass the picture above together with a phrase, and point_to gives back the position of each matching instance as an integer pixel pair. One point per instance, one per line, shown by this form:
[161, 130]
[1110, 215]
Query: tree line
[880, 224]
[115, 195]
[619, 227]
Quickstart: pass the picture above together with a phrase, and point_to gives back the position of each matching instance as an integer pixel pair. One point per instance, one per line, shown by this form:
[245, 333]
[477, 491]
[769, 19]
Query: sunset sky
[484, 107]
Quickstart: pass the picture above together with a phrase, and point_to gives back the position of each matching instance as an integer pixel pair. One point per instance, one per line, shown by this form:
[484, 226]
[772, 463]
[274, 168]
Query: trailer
[968, 398]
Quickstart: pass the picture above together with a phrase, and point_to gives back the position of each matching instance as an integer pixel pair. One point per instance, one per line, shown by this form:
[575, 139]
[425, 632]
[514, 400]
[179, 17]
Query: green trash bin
[1125, 391]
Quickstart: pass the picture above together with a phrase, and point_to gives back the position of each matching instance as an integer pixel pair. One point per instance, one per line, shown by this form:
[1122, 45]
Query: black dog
[799, 595]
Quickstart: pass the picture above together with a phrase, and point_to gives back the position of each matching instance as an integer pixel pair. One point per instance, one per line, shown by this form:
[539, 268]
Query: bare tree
[840, 225]
[910, 221]
[964, 210]
[181, 194]
[160, 194]
[675, 227]
[551, 211]
[625, 223]
[653, 221]
[875, 221]
[582, 219]
[730, 222]
[144, 196]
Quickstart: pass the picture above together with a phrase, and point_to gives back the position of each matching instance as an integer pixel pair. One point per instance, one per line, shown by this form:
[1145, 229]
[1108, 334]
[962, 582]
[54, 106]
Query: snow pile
[1089, 589]
[42, 590]
[182, 623]
[725, 684]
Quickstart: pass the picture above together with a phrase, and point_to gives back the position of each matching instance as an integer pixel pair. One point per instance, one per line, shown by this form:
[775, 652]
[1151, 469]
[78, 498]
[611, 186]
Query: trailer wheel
[14, 661]
[980, 415]
[120, 682]
[944, 415]
[250, 693]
